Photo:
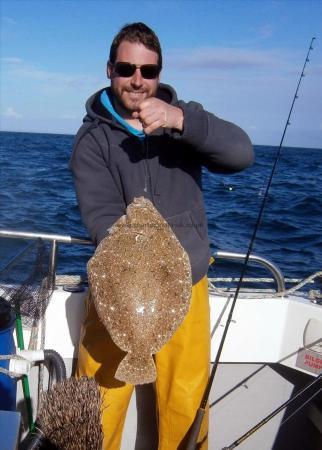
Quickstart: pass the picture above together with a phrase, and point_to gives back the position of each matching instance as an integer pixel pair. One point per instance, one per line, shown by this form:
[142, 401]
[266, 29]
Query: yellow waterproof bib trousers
[182, 374]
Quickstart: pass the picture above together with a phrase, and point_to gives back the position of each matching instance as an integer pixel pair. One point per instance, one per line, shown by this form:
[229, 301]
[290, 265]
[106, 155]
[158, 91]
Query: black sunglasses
[126, 70]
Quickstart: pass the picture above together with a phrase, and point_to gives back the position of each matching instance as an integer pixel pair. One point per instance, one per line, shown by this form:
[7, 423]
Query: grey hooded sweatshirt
[111, 166]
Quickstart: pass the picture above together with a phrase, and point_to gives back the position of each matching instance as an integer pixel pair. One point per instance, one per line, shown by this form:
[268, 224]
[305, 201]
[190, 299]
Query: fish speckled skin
[140, 280]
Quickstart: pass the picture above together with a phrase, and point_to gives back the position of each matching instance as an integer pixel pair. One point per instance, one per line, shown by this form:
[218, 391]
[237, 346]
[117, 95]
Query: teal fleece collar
[106, 102]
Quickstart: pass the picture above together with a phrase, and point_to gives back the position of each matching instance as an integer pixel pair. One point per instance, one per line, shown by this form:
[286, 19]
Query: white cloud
[18, 69]
[223, 58]
[265, 31]
[8, 20]
[11, 113]
[262, 32]
[11, 60]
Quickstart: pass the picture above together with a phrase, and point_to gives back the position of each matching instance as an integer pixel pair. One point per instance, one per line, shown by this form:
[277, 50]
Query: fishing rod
[276, 411]
[196, 425]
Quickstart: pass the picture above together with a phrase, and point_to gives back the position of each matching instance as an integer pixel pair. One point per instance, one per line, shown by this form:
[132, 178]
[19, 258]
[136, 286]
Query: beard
[128, 99]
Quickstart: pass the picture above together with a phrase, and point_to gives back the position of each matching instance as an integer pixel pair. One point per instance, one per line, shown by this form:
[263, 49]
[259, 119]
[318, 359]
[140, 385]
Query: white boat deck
[273, 348]
[258, 370]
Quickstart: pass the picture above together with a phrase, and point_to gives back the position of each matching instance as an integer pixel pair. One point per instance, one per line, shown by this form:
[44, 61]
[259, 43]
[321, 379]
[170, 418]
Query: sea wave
[38, 195]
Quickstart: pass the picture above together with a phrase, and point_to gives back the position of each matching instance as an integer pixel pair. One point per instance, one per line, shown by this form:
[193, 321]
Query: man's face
[129, 92]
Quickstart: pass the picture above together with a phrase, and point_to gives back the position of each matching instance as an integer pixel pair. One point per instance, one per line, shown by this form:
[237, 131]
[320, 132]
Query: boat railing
[240, 257]
[55, 239]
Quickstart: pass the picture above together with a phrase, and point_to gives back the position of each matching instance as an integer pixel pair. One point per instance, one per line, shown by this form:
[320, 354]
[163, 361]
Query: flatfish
[140, 281]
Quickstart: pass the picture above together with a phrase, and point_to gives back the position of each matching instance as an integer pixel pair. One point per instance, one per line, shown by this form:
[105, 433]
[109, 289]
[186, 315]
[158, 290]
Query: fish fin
[134, 369]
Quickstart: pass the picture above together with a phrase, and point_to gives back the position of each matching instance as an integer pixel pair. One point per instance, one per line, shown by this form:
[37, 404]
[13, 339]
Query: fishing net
[25, 283]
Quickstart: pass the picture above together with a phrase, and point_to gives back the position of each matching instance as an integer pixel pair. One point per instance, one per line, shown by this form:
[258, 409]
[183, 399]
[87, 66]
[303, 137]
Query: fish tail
[135, 369]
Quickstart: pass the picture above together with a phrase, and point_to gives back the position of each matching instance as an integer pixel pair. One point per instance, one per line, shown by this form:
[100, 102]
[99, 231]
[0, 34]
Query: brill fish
[140, 281]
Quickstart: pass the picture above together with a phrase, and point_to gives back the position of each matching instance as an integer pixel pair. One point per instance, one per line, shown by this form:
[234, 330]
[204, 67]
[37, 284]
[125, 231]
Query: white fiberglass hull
[258, 371]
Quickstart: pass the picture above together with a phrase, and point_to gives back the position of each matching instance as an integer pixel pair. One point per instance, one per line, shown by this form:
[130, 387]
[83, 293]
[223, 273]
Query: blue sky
[241, 59]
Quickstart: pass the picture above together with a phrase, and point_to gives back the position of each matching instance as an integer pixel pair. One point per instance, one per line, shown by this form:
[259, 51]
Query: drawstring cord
[147, 176]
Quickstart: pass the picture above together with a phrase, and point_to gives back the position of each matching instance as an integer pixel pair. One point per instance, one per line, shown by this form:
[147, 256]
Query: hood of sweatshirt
[96, 111]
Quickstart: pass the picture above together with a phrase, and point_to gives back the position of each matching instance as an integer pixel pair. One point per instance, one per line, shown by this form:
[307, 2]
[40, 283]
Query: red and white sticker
[309, 360]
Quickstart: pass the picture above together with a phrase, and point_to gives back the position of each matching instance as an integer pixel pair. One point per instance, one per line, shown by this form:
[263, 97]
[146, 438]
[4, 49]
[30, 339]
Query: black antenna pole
[195, 428]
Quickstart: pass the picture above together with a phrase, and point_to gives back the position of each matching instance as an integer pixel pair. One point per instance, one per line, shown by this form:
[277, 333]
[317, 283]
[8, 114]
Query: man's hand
[154, 113]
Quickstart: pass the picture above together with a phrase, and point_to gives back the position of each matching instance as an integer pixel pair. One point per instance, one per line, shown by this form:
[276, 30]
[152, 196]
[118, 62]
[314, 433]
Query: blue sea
[37, 195]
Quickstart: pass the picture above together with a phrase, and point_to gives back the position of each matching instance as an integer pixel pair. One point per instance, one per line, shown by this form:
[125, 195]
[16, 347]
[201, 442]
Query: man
[139, 140]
